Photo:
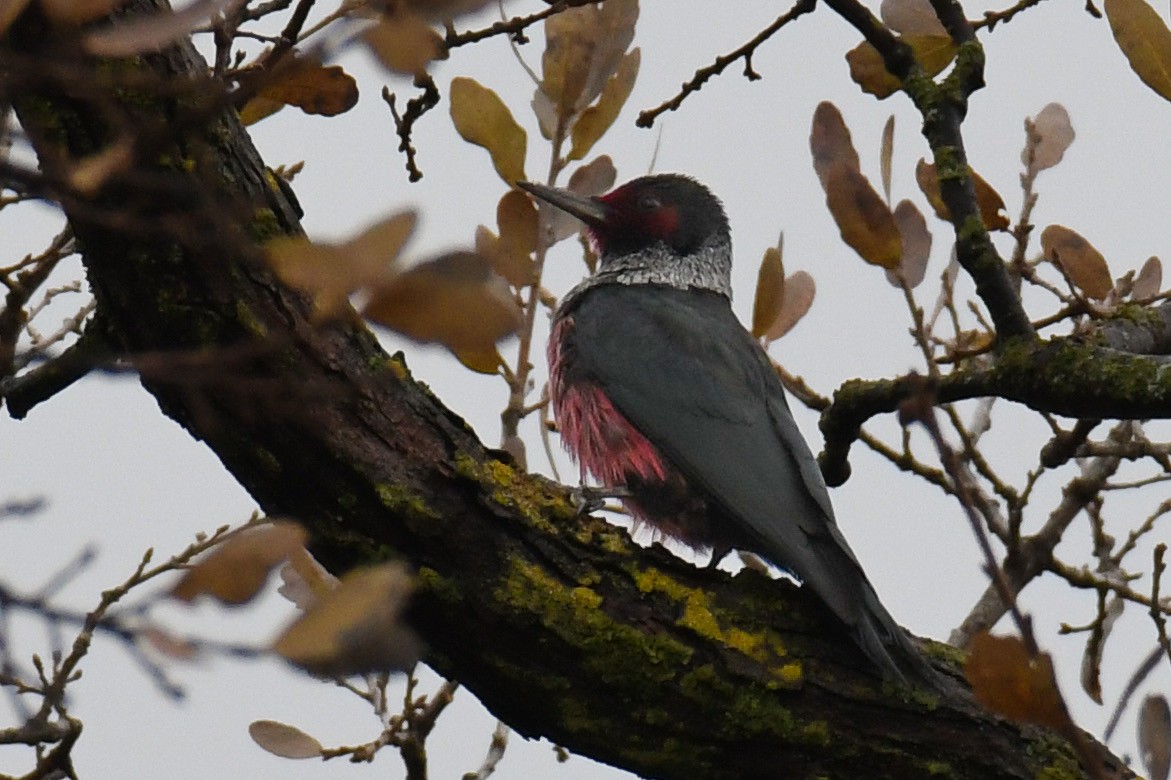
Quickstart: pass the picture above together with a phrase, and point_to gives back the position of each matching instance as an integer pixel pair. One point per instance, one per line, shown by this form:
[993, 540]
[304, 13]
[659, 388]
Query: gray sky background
[120, 476]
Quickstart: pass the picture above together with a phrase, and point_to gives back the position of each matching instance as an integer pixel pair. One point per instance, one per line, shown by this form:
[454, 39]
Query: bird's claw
[588, 500]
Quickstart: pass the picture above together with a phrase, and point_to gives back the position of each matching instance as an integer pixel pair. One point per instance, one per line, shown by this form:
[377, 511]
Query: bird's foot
[590, 499]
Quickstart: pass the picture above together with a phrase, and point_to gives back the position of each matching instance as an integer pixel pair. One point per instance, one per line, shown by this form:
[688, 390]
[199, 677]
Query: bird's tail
[887, 645]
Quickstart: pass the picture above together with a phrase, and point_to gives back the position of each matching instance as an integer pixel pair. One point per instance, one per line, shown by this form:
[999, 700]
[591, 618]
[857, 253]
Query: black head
[665, 208]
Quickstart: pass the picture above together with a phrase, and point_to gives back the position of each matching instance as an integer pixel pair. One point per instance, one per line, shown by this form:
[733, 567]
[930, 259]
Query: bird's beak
[589, 210]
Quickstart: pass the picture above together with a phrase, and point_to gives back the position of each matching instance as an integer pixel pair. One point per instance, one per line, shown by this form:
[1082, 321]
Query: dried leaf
[516, 216]
[141, 34]
[911, 17]
[404, 43]
[829, 141]
[592, 179]
[1095, 644]
[235, 571]
[1006, 681]
[455, 300]
[886, 156]
[867, 69]
[1081, 262]
[356, 628]
[1154, 736]
[799, 291]
[546, 114]
[165, 644]
[1053, 134]
[583, 47]
[864, 220]
[313, 88]
[597, 119]
[330, 274]
[482, 119]
[770, 291]
[304, 581]
[988, 200]
[1145, 41]
[1149, 281]
[916, 242]
[258, 108]
[284, 740]
[480, 361]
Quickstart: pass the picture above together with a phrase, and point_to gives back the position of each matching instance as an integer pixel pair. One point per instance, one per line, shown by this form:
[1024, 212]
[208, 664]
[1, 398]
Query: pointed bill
[589, 210]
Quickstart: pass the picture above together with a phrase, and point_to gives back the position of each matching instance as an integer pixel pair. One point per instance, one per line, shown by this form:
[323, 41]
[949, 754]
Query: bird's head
[664, 229]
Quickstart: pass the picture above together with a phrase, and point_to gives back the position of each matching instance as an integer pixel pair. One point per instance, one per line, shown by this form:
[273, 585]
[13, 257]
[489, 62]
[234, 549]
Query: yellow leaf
[583, 47]
[770, 291]
[455, 300]
[257, 108]
[1145, 40]
[916, 240]
[516, 217]
[596, 120]
[934, 52]
[235, 570]
[864, 220]
[799, 291]
[1006, 681]
[482, 119]
[356, 628]
[829, 141]
[988, 200]
[404, 43]
[284, 740]
[911, 17]
[1081, 262]
[480, 361]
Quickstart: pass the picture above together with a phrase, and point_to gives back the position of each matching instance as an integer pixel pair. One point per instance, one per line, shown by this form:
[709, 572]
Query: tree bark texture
[559, 624]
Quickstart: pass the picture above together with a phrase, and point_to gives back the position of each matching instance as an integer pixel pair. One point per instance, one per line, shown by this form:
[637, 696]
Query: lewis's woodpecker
[657, 388]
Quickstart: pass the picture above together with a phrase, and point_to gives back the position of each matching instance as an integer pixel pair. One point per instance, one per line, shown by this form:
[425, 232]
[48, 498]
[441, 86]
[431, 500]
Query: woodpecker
[658, 389]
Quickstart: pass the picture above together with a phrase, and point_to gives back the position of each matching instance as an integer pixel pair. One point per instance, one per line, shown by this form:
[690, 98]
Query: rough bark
[559, 624]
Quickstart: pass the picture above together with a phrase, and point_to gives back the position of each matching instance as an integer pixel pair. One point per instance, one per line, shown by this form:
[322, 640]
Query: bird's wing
[682, 369]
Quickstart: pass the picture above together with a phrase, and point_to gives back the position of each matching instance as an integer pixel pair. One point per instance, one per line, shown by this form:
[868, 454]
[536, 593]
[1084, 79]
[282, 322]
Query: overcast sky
[120, 476]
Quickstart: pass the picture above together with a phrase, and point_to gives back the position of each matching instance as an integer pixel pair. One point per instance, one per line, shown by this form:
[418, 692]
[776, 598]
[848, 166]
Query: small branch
[404, 123]
[647, 118]
[514, 27]
[993, 18]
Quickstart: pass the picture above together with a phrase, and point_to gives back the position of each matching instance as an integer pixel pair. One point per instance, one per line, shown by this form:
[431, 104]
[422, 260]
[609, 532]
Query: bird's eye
[649, 203]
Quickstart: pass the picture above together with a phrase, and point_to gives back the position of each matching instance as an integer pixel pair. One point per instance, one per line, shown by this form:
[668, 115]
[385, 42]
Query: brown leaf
[455, 300]
[867, 69]
[916, 243]
[1006, 681]
[356, 628]
[770, 291]
[234, 571]
[404, 43]
[482, 119]
[284, 740]
[1081, 262]
[1053, 134]
[9, 10]
[445, 10]
[829, 141]
[165, 644]
[313, 88]
[1154, 736]
[89, 174]
[597, 119]
[988, 200]
[592, 179]
[864, 220]
[516, 216]
[77, 11]
[329, 273]
[799, 291]
[1145, 41]
[886, 155]
[911, 17]
[1149, 281]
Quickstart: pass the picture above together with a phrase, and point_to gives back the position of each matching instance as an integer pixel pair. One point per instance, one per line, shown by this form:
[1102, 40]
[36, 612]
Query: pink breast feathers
[599, 437]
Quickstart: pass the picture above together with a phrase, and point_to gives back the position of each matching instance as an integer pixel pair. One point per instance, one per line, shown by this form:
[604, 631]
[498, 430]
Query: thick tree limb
[559, 624]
